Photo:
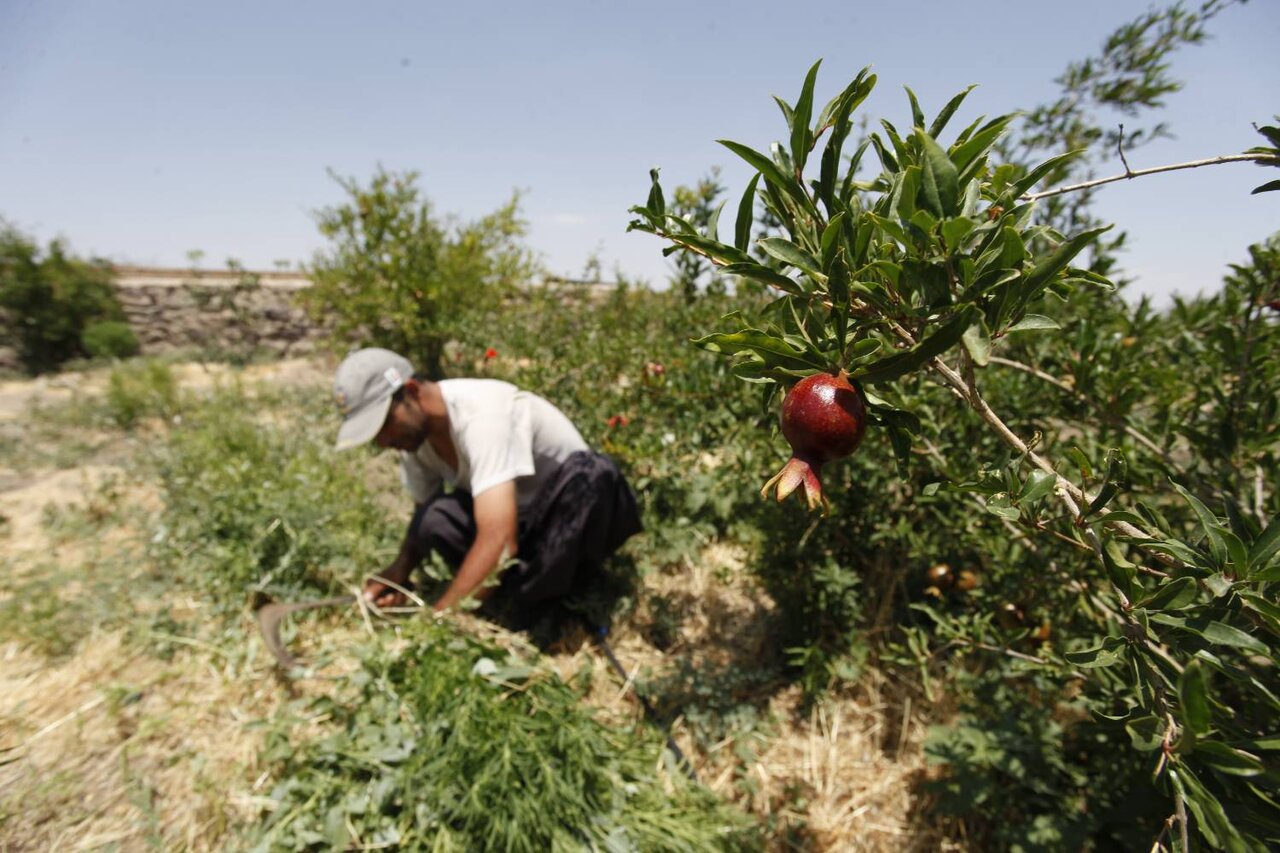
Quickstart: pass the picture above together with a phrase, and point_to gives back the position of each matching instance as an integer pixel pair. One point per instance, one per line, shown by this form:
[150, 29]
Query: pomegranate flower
[490, 353]
[618, 421]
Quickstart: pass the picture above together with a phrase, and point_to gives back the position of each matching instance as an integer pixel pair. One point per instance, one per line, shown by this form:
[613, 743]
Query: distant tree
[50, 299]
[697, 205]
[397, 275]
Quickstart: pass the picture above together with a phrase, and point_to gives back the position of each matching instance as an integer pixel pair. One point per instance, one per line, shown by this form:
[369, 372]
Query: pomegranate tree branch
[1058, 383]
[1138, 173]
[1071, 495]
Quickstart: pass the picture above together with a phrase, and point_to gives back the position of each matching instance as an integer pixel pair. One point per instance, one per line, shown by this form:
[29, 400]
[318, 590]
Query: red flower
[618, 420]
[490, 353]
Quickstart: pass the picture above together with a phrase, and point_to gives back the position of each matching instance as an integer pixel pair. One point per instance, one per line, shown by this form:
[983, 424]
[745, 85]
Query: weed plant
[263, 505]
[447, 743]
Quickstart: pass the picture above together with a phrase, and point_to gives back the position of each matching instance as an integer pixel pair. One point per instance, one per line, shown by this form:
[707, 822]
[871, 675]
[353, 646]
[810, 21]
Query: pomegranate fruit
[823, 418]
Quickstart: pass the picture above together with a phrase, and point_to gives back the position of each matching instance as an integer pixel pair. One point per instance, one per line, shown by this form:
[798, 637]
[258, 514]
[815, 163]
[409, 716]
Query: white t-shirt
[500, 433]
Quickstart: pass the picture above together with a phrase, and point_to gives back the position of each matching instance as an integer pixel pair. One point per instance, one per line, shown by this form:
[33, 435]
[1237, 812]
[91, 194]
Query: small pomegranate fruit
[966, 581]
[823, 418]
[939, 575]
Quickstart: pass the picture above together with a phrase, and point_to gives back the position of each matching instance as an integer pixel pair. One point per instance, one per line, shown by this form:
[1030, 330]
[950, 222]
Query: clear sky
[141, 129]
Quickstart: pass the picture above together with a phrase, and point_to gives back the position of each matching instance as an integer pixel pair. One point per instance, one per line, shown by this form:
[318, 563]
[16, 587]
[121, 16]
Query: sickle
[271, 616]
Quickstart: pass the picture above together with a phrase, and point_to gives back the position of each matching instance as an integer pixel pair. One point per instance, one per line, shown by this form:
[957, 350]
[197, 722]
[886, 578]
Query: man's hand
[381, 594]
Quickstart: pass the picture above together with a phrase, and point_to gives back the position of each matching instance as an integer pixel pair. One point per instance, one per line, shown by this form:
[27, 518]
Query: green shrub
[109, 339]
[141, 389]
[50, 299]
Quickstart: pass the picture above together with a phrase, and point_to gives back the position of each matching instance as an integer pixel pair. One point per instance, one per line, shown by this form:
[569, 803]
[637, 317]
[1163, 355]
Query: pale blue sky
[140, 129]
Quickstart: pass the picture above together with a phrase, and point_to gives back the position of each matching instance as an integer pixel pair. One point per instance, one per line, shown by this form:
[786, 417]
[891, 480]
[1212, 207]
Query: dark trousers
[578, 519]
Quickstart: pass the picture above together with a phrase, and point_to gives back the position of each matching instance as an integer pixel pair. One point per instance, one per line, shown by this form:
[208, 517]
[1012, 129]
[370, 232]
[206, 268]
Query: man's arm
[495, 510]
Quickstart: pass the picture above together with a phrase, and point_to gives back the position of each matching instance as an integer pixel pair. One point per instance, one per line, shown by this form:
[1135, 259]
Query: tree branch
[1058, 383]
[1193, 164]
[1071, 495]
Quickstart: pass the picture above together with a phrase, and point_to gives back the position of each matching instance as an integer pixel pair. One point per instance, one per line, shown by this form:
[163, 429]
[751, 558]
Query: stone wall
[224, 312]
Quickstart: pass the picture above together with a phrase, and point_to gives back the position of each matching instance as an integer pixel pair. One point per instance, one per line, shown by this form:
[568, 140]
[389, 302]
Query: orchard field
[1035, 609]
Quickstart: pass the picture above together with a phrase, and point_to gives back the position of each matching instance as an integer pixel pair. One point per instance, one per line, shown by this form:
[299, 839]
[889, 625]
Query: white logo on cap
[393, 378]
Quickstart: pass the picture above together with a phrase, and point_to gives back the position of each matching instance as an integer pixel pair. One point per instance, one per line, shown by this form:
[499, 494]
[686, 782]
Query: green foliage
[450, 744]
[52, 299]
[257, 507]
[141, 389]
[1130, 478]
[109, 339]
[397, 275]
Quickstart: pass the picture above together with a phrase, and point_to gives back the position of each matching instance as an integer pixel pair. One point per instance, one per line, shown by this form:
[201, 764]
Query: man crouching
[498, 477]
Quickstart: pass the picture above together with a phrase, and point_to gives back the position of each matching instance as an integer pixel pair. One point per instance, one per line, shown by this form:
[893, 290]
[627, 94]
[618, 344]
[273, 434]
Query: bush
[140, 390]
[109, 339]
[51, 298]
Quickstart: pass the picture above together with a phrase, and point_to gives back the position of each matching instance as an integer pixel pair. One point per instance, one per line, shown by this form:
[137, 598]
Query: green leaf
[830, 240]
[979, 143]
[1208, 521]
[905, 362]
[746, 215]
[771, 172]
[977, 340]
[789, 253]
[940, 186]
[1119, 570]
[1038, 485]
[1266, 610]
[1193, 692]
[1268, 187]
[765, 275]
[656, 204]
[917, 114]
[775, 351]
[1032, 323]
[1224, 759]
[788, 112]
[713, 222]
[955, 230]
[1211, 820]
[1175, 595]
[944, 116]
[717, 251]
[801, 135]
[1106, 654]
[1266, 545]
[1146, 732]
[1035, 281]
[1217, 633]
[1033, 177]
[1113, 480]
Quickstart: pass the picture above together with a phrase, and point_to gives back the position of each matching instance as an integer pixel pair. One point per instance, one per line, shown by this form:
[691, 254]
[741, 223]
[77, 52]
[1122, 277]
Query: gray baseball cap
[362, 388]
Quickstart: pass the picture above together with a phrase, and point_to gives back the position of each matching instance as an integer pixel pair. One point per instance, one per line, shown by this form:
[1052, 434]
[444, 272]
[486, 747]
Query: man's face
[406, 425]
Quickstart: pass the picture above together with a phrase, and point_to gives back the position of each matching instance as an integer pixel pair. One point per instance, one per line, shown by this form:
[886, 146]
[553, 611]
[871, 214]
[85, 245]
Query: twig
[1058, 383]
[89, 705]
[1120, 148]
[1193, 164]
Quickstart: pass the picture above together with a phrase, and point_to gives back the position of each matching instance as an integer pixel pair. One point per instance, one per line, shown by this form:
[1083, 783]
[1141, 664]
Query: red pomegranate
[823, 418]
